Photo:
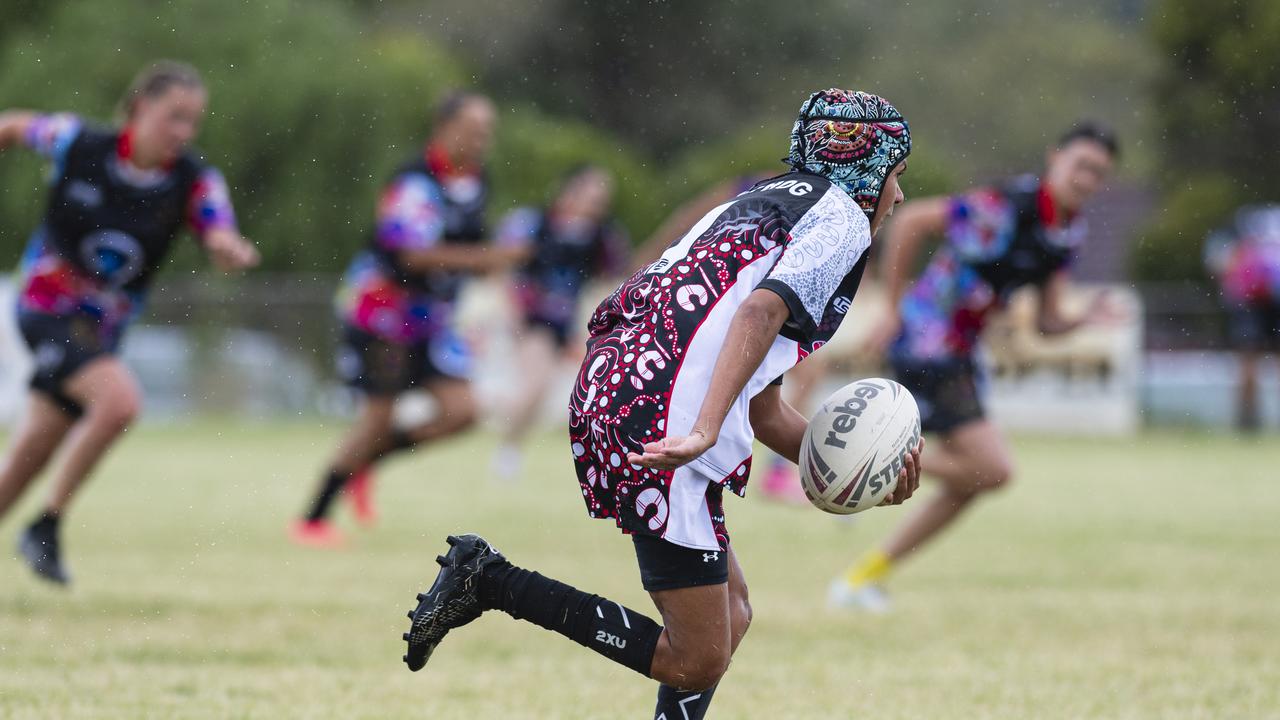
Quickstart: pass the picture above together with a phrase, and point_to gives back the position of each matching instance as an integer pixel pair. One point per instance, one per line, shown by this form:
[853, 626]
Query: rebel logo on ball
[847, 414]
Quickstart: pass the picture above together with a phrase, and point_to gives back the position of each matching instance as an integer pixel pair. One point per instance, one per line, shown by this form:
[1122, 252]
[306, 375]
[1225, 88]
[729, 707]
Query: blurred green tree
[309, 113]
[1219, 117]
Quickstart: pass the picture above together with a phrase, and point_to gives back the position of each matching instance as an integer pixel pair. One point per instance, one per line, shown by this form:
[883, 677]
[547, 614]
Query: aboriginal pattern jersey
[655, 341]
[109, 225]
[996, 240]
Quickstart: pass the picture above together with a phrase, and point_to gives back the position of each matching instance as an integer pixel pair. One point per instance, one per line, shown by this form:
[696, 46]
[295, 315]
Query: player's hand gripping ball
[857, 444]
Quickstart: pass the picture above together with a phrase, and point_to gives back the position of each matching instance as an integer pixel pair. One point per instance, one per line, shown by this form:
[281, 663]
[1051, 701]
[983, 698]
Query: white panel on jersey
[694, 377]
[688, 520]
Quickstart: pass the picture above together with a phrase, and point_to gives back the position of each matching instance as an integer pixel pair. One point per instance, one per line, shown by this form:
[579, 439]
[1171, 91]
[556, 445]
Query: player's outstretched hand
[671, 452]
[908, 478]
[230, 252]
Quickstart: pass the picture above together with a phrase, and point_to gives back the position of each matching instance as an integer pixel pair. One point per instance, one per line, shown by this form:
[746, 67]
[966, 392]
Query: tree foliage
[1218, 99]
[313, 103]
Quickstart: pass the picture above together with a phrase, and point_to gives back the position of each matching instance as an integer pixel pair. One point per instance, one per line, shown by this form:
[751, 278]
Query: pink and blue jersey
[108, 225]
[377, 298]
[1246, 258]
[996, 240]
[427, 203]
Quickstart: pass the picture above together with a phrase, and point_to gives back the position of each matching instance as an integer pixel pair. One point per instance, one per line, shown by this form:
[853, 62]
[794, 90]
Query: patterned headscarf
[852, 138]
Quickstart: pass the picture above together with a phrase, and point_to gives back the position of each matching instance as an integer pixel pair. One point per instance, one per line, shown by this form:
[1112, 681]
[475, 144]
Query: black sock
[48, 519]
[624, 636]
[399, 441]
[332, 486]
[674, 704]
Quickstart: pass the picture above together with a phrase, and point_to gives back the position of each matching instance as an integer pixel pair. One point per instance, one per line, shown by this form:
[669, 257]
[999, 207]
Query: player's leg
[109, 396]
[673, 701]
[475, 577]
[537, 352]
[379, 370]
[971, 460]
[358, 448]
[1248, 417]
[707, 619]
[1247, 333]
[111, 399]
[456, 410]
[974, 459]
[33, 443]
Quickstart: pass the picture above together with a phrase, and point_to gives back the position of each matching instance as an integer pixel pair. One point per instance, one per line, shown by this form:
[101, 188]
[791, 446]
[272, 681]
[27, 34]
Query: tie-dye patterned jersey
[109, 225]
[996, 240]
[425, 205]
[1246, 257]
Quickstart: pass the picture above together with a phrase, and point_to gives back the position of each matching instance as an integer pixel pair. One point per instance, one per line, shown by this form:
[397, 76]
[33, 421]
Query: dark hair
[155, 80]
[452, 103]
[1095, 131]
[574, 173]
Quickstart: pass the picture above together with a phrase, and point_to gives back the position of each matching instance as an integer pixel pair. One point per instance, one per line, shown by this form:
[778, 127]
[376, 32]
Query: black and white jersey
[655, 341]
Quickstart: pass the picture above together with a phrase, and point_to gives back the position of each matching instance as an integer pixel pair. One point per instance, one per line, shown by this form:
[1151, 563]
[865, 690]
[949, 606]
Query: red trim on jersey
[442, 165]
[124, 149]
[124, 143]
[1049, 209]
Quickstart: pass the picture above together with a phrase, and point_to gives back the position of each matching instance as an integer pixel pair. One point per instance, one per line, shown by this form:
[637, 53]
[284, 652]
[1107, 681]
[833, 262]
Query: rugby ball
[854, 446]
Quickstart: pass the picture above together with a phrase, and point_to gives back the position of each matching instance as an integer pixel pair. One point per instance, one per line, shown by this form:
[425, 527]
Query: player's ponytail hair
[154, 81]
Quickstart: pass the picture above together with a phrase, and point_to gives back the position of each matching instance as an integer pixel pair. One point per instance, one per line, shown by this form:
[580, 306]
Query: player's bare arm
[754, 327]
[465, 258]
[229, 251]
[899, 246]
[776, 424]
[1103, 308]
[13, 125]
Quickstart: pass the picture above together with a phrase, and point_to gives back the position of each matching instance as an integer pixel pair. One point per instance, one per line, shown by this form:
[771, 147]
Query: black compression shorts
[667, 566]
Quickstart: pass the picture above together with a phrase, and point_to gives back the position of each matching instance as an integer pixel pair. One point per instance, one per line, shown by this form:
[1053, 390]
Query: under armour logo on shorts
[710, 557]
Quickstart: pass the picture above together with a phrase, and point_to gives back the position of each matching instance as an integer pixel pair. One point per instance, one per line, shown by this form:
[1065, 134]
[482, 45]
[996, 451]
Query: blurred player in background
[119, 198]
[677, 384]
[568, 243]
[397, 302]
[1245, 259]
[994, 241]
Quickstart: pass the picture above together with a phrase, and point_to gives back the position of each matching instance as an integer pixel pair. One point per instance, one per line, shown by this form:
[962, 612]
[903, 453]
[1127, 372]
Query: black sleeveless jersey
[109, 228]
[464, 224]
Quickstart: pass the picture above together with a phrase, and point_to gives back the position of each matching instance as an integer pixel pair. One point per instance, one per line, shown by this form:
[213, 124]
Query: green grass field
[1117, 579]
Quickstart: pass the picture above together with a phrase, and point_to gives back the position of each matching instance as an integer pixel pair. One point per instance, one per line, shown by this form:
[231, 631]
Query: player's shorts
[948, 392]
[683, 507]
[60, 346]
[1254, 327]
[667, 566]
[377, 366]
